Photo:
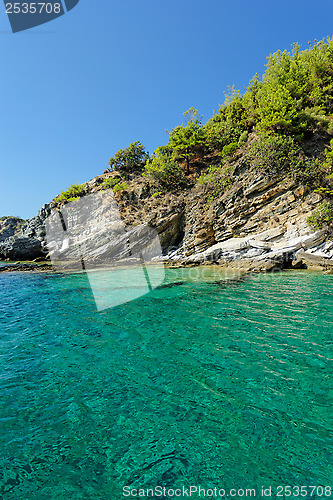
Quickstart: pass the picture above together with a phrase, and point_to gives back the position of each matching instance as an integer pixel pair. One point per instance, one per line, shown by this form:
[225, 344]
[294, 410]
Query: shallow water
[202, 383]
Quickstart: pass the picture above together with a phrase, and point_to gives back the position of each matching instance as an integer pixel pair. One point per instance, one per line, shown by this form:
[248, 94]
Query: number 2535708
[33, 8]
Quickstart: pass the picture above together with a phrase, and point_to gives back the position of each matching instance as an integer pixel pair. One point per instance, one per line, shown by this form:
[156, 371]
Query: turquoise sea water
[202, 383]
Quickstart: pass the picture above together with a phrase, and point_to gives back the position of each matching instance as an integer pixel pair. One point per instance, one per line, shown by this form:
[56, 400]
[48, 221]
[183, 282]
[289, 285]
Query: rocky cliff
[27, 240]
[255, 222]
[237, 190]
[9, 226]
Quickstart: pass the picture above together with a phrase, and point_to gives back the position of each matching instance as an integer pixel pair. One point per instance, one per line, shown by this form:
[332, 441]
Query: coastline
[26, 266]
[241, 266]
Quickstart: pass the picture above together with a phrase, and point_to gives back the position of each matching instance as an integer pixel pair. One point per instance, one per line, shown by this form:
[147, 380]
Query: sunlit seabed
[204, 383]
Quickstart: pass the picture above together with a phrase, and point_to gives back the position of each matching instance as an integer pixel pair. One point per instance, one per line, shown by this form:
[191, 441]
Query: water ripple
[199, 383]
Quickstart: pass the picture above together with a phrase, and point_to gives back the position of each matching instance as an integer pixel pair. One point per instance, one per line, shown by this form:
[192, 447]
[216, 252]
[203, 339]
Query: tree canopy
[130, 159]
[293, 99]
[184, 138]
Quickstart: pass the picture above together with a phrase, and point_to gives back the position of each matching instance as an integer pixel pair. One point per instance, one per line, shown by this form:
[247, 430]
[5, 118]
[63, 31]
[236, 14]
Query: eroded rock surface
[9, 226]
[260, 221]
[28, 243]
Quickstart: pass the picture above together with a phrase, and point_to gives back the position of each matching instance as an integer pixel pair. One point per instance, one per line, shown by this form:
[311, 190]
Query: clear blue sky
[79, 88]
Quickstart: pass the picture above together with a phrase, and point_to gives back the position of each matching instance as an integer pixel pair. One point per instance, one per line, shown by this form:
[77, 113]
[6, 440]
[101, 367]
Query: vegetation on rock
[130, 159]
[292, 101]
[184, 138]
[282, 126]
[164, 171]
[120, 186]
[12, 218]
[110, 183]
[322, 217]
[74, 192]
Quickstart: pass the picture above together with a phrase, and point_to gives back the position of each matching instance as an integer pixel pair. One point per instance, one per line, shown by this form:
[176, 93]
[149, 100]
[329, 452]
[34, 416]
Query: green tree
[229, 123]
[233, 110]
[276, 108]
[219, 133]
[184, 138]
[164, 170]
[130, 159]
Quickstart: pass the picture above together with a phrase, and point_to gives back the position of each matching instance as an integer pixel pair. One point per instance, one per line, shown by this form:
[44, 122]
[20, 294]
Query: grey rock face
[10, 226]
[29, 242]
[256, 219]
[89, 232]
[21, 248]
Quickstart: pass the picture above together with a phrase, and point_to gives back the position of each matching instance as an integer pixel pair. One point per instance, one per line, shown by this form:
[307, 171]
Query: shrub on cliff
[13, 218]
[218, 133]
[120, 186]
[228, 124]
[276, 108]
[228, 150]
[322, 217]
[164, 171]
[279, 154]
[110, 183]
[131, 159]
[115, 183]
[74, 192]
[275, 154]
[219, 178]
[184, 138]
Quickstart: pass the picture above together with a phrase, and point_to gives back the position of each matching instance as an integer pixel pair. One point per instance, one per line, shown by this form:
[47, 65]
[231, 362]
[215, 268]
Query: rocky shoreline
[26, 267]
[244, 255]
[266, 252]
[256, 224]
